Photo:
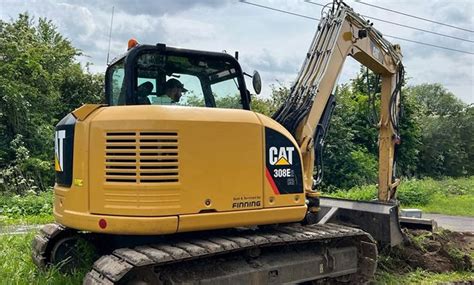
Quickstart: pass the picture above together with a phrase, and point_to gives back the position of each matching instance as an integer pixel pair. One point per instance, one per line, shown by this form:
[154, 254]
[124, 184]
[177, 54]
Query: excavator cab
[206, 79]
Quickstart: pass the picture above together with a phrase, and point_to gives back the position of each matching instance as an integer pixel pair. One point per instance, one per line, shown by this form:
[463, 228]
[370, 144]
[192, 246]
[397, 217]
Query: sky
[271, 42]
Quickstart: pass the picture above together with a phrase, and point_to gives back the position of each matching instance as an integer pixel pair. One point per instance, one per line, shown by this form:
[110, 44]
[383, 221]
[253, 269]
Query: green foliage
[268, 106]
[229, 101]
[420, 276]
[40, 82]
[447, 137]
[436, 129]
[456, 205]
[408, 160]
[435, 100]
[447, 196]
[416, 192]
[27, 209]
[31, 204]
[359, 193]
[350, 153]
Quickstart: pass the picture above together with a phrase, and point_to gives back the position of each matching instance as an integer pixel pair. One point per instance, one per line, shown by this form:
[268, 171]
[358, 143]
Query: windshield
[116, 84]
[178, 79]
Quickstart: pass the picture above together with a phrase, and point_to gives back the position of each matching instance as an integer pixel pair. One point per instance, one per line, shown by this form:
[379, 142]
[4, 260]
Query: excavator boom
[307, 111]
[343, 33]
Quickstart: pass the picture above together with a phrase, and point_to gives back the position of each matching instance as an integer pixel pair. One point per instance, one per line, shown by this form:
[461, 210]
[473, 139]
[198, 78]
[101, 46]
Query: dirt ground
[439, 252]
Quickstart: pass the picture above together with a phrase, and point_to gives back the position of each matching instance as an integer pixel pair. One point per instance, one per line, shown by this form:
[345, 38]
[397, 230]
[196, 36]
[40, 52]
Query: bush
[24, 173]
[360, 193]
[448, 196]
[416, 192]
[28, 205]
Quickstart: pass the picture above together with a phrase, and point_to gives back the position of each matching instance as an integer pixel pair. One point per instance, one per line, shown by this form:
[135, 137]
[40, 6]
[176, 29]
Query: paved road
[454, 223]
[18, 230]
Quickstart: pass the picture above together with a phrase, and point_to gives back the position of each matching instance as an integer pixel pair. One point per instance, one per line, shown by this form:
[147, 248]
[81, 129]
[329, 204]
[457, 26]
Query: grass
[26, 220]
[18, 268]
[447, 196]
[451, 205]
[422, 277]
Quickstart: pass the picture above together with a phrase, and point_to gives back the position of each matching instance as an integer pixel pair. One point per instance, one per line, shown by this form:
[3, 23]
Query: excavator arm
[307, 110]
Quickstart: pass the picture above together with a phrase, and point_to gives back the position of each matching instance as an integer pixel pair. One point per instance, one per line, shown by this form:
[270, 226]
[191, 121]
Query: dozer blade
[418, 224]
[378, 219]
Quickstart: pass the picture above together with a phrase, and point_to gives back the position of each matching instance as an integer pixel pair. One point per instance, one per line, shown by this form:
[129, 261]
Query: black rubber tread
[42, 243]
[111, 269]
[154, 254]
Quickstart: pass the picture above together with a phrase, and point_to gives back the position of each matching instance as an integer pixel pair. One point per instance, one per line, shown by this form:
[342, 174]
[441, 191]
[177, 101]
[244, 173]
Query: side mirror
[257, 82]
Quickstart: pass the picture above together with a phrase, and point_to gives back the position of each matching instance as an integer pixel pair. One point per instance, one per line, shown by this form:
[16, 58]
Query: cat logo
[281, 156]
[59, 137]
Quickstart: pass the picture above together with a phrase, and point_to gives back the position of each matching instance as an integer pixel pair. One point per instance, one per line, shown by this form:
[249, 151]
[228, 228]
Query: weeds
[18, 268]
[29, 209]
[422, 277]
[448, 196]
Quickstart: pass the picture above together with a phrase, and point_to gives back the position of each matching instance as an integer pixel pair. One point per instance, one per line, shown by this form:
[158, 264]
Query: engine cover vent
[141, 157]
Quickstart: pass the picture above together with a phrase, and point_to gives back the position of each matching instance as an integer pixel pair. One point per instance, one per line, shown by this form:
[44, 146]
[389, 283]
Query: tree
[40, 82]
[349, 157]
[435, 100]
[268, 106]
[368, 85]
[446, 132]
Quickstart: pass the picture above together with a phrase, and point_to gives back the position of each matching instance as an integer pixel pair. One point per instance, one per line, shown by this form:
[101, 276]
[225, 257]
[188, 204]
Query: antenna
[110, 33]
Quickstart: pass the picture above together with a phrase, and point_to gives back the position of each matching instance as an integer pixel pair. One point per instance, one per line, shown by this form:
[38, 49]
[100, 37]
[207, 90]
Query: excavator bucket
[380, 220]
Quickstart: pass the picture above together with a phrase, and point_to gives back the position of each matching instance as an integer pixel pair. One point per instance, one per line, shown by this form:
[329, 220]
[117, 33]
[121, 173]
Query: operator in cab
[174, 89]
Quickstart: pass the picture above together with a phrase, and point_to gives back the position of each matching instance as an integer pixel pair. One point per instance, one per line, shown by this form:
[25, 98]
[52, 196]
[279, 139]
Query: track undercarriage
[270, 255]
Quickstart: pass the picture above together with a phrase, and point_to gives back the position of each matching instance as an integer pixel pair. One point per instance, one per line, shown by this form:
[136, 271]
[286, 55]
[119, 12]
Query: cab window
[116, 84]
[197, 81]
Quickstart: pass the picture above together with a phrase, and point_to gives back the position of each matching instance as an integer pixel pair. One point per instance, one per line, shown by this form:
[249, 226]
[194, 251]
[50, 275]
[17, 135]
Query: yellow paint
[85, 110]
[282, 161]
[199, 222]
[220, 157]
[270, 199]
[347, 36]
[381, 62]
[117, 224]
[57, 167]
[78, 182]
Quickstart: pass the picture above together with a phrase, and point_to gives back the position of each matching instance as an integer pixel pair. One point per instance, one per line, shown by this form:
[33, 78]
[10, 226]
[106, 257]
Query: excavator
[198, 188]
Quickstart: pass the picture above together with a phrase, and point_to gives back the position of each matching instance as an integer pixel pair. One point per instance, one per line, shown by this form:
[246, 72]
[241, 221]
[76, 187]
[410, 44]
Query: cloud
[181, 31]
[152, 8]
[268, 41]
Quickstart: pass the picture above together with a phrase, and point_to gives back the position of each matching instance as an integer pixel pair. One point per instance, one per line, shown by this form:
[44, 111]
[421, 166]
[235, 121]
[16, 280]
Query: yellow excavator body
[162, 183]
[168, 169]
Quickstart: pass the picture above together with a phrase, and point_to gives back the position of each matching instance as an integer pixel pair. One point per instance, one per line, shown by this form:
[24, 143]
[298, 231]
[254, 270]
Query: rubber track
[43, 242]
[110, 269]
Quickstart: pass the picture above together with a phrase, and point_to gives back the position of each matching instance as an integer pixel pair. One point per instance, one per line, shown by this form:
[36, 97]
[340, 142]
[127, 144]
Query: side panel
[164, 160]
[63, 150]
[283, 164]
[207, 221]
[76, 197]
[283, 172]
